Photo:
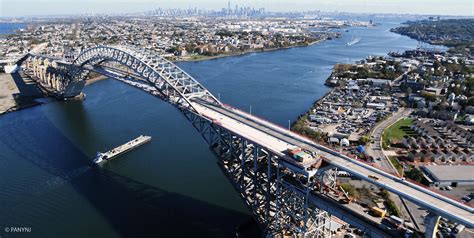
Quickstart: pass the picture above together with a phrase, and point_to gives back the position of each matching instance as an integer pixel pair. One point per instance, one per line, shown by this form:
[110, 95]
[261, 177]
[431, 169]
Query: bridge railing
[410, 180]
[367, 165]
[438, 192]
[307, 138]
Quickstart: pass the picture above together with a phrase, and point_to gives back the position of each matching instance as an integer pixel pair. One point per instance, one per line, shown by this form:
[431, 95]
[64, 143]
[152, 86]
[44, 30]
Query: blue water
[281, 85]
[171, 187]
[9, 28]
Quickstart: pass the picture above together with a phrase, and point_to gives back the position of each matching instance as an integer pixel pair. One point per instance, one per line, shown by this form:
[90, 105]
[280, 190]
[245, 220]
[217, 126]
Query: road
[375, 149]
[407, 208]
[277, 140]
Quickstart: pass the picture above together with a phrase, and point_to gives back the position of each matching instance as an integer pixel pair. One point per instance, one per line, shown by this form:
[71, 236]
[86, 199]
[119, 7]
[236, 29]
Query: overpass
[281, 192]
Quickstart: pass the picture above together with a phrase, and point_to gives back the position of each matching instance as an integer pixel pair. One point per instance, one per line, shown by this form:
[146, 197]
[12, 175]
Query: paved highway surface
[408, 209]
[278, 140]
[375, 149]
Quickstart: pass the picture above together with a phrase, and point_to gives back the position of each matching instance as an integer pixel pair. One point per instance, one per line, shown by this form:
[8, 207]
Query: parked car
[466, 198]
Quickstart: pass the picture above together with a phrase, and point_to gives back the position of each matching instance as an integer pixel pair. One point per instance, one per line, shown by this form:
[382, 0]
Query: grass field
[397, 131]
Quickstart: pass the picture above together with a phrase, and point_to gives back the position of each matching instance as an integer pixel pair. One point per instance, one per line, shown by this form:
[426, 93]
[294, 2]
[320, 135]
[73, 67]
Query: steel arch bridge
[282, 196]
[172, 82]
[255, 171]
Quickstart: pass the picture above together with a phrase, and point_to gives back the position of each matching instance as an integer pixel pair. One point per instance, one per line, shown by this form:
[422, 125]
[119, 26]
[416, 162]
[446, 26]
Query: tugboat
[100, 157]
[111, 154]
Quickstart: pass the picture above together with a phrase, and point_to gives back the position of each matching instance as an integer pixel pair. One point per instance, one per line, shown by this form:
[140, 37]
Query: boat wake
[353, 41]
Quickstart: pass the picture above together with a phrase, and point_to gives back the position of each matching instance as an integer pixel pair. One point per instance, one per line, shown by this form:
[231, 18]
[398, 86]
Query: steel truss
[327, 178]
[278, 196]
[172, 82]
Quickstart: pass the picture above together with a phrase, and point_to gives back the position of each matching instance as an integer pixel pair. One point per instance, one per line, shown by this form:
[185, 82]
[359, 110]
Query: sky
[16, 8]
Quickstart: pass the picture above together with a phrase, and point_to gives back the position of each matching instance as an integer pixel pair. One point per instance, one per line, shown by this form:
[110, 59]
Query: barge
[111, 154]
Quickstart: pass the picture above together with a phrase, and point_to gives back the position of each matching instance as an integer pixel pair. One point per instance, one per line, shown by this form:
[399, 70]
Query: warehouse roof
[450, 172]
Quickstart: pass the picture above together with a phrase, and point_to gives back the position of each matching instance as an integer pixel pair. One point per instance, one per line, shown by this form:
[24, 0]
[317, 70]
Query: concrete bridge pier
[35, 69]
[431, 225]
[41, 74]
[74, 90]
[58, 83]
[53, 81]
[50, 73]
[48, 80]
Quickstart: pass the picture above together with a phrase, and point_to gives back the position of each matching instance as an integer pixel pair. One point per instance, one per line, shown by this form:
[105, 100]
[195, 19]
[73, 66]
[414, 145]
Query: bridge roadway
[278, 140]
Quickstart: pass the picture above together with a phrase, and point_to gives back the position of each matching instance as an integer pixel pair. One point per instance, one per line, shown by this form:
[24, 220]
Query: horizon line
[203, 15]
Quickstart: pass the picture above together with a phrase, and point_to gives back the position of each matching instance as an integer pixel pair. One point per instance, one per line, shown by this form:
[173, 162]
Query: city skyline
[19, 8]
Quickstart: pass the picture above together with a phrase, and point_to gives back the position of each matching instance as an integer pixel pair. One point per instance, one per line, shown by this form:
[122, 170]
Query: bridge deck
[278, 140]
[180, 85]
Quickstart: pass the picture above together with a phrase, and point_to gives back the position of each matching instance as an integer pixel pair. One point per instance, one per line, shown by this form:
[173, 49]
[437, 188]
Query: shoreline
[306, 113]
[14, 97]
[20, 107]
[242, 53]
[102, 77]
[98, 78]
[95, 80]
[32, 103]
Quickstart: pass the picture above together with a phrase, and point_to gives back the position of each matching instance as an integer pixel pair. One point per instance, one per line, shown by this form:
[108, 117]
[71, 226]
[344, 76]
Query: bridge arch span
[252, 152]
[172, 82]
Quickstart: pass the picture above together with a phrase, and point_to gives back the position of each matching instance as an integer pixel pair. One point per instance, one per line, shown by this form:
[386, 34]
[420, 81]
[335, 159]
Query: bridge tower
[52, 75]
[296, 215]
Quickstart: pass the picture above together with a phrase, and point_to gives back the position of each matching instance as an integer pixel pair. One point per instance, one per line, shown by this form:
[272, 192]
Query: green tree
[428, 96]
[392, 208]
[350, 189]
[384, 194]
[364, 140]
[416, 175]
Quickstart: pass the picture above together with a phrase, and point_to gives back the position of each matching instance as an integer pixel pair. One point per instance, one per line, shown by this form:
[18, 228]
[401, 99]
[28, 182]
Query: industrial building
[453, 175]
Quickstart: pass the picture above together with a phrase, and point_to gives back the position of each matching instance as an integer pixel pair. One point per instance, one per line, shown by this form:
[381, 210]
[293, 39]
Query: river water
[9, 28]
[171, 187]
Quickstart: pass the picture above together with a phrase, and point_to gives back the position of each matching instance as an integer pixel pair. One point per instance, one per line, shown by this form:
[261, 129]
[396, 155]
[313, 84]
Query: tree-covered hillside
[449, 32]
